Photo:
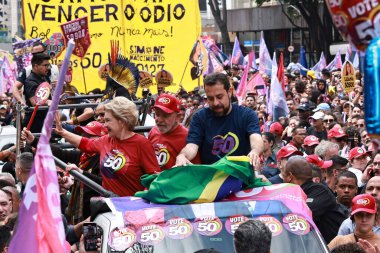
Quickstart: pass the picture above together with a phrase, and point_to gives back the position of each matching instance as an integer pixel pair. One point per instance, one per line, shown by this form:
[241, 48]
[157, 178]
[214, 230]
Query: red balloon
[357, 20]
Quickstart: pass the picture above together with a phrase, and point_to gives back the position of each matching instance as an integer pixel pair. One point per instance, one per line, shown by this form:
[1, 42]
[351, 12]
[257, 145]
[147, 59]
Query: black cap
[304, 107]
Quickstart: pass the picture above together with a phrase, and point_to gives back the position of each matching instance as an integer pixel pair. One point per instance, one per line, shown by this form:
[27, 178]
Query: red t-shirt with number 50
[122, 162]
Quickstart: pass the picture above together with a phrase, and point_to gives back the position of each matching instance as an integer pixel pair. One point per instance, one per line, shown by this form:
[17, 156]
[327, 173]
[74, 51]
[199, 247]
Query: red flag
[281, 72]
[78, 31]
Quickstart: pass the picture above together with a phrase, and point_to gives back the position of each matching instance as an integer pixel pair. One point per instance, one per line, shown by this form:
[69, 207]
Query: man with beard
[222, 128]
[168, 136]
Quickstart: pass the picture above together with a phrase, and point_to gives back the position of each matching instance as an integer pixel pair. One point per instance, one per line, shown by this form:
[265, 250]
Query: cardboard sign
[348, 76]
[164, 78]
[145, 80]
[104, 71]
[55, 45]
[78, 31]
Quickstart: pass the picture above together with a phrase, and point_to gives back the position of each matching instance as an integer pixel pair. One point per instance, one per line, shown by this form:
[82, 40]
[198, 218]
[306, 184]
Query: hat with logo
[363, 203]
[93, 128]
[322, 107]
[357, 152]
[336, 132]
[310, 140]
[316, 160]
[317, 115]
[276, 128]
[287, 151]
[167, 103]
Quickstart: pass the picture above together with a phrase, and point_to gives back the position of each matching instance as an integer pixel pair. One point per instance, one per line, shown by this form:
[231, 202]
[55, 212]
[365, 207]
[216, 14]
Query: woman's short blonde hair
[125, 110]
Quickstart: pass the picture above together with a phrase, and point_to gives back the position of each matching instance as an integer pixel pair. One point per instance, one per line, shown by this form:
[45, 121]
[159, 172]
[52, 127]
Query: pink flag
[8, 74]
[40, 228]
[321, 64]
[336, 63]
[242, 88]
[257, 82]
[265, 65]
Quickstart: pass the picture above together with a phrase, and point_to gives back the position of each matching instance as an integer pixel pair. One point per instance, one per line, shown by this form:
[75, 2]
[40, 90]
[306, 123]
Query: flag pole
[84, 77]
[183, 74]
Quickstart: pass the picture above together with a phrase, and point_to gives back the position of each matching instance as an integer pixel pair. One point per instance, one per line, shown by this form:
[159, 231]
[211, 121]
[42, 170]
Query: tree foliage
[220, 17]
[316, 15]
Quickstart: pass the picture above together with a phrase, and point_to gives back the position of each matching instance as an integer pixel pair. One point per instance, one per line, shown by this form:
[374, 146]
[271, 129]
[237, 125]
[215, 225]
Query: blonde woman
[124, 155]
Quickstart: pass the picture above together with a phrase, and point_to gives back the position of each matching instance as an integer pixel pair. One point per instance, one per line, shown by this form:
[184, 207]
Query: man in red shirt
[168, 136]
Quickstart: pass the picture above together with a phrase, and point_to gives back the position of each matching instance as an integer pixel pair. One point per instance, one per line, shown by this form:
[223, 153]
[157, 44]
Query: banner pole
[84, 77]
[183, 74]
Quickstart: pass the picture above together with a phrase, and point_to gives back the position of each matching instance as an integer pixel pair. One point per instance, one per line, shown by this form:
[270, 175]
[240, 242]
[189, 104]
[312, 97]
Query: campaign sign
[120, 239]
[348, 76]
[296, 224]
[42, 93]
[233, 222]
[55, 45]
[178, 228]
[272, 223]
[78, 31]
[208, 225]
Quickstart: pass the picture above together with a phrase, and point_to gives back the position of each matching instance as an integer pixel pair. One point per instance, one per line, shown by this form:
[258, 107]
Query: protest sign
[155, 35]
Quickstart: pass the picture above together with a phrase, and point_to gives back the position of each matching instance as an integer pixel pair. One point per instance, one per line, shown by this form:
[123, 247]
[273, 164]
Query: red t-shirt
[122, 163]
[167, 146]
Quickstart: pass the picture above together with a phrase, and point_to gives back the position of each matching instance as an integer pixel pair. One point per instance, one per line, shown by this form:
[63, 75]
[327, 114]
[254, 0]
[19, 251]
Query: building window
[203, 5]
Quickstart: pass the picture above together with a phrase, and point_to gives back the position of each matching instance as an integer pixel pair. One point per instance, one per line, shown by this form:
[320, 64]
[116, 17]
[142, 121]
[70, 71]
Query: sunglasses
[328, 120]
[360, 125]
[376, 164]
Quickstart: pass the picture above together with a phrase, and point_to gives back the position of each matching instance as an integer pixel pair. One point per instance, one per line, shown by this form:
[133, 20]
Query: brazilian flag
[198, 183]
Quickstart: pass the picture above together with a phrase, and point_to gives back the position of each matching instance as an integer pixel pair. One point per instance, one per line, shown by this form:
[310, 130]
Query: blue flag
[303, 61]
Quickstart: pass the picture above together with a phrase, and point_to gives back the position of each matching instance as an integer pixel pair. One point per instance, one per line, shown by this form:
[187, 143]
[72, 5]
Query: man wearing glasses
[40, 70]
[5, 206]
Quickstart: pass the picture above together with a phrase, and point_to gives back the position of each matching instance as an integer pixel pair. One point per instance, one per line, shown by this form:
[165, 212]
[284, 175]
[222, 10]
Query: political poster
[348, 76]
[155, 35]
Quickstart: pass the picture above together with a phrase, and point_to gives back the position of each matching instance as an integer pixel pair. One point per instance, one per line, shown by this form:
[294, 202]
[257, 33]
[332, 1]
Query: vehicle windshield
[189, 228]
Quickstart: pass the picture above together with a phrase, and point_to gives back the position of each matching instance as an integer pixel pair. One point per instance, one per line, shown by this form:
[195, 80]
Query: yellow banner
[154, 34]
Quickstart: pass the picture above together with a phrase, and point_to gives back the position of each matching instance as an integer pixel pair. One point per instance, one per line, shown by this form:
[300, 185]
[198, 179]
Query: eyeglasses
[99, 115]
[328, 120]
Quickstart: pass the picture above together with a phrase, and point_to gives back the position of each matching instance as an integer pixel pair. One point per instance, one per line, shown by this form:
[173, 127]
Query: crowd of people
[322, 145]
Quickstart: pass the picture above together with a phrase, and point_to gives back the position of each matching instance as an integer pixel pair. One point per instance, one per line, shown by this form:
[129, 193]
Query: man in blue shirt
[223, 128]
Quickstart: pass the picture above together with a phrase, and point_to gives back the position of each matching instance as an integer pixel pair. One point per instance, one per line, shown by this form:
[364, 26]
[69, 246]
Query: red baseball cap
[310, 140]
[276, 128]
[357, 152]
[363, 203]
[167, 103]
[336, 132]
[93, 128]
[287, 151]
[316, 160]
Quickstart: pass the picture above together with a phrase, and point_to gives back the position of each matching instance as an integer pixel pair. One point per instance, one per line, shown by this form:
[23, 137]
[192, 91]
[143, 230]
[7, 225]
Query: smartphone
[90, 234]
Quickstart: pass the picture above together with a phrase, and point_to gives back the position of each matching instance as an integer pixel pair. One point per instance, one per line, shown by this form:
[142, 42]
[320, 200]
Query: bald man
[321, 201]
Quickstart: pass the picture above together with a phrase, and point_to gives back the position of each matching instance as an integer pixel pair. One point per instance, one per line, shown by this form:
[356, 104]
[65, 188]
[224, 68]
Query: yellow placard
[348, 76]
[154, 34]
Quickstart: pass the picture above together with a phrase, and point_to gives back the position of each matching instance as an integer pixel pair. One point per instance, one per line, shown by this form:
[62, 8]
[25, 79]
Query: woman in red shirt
[124, 155]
